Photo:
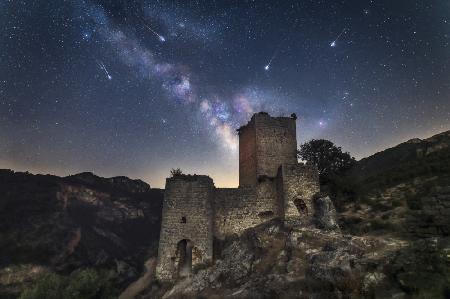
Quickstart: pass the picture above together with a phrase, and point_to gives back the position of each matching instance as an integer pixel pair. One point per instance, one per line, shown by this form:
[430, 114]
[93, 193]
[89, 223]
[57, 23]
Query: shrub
[174, 172]
[49, 286]
[88, 283]
[85, 283]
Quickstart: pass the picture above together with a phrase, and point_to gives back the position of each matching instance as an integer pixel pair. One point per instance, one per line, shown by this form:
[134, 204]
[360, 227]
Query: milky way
[138, 87]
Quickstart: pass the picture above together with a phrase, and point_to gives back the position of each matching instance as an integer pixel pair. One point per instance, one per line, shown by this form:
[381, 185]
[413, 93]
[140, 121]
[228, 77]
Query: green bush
[80, 284]
[423, 269]
[49, 286]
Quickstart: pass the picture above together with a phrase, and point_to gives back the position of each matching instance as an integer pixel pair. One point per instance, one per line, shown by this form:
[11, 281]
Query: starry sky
[136, 88]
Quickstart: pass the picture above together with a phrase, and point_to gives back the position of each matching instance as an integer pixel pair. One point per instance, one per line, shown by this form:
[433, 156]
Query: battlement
[264, 116]
[190, 178]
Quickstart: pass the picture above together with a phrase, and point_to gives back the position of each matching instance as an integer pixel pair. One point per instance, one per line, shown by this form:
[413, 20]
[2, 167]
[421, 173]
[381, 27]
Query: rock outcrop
[325, 213]
[53, 224]
[275, 261]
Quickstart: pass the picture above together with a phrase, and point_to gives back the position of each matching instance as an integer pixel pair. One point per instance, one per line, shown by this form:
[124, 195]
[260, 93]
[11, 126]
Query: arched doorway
[184, 258]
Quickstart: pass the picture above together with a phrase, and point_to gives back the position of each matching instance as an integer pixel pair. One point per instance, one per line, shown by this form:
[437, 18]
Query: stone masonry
[272, 184]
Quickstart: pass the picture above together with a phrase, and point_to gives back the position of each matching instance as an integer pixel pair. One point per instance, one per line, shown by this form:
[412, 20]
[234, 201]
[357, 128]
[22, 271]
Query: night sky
[139, 87]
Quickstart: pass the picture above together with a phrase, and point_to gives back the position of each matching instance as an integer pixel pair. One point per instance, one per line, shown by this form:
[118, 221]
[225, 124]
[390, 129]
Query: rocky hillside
[275, 261]
[50, 224]
[405, 189]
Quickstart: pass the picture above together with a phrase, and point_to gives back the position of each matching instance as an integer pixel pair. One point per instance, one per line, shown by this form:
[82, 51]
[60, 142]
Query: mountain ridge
[59, 224]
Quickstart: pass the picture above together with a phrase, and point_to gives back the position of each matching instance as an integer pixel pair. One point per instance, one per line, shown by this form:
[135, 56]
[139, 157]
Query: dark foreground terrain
[103, 229]
[88, 237]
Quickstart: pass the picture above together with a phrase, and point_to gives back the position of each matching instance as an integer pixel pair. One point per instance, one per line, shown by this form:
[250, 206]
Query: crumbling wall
[300, 183]
[267, 196]
[237, 209]
[187, 215]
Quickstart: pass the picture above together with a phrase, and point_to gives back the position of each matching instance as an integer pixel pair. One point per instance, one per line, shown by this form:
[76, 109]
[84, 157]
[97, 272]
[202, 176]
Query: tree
[329, 158]
[176, 172]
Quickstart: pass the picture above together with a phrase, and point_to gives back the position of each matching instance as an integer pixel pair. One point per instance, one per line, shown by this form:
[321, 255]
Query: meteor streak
[160, 37]
[103, 67]
[267, 66]
[333, 43]
[277, 49]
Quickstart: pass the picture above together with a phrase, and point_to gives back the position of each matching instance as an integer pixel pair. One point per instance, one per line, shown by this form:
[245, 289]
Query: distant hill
[411, 158]
[49, 223]
[404, 189]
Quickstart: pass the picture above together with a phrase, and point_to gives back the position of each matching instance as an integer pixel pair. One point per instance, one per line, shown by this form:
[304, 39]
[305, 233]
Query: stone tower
[186, 238]
[266, 143]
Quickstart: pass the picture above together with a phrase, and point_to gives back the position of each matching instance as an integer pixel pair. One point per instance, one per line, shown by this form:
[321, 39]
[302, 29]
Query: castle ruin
[272, 184]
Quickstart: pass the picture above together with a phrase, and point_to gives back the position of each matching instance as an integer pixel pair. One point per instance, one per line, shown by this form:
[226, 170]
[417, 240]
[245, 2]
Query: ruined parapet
[270, 203]
[186, 238]
[264, 144]
[234, 210]
[237, 209]
[299, 184]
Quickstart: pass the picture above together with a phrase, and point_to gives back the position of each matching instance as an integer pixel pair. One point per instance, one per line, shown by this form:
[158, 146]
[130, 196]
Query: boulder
[325, 214]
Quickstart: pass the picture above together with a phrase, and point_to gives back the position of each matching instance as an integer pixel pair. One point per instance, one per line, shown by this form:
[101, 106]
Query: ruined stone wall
[267, 195]
[276, 143]
[240, 208]
[187, 215]
[247, 155]
[300, 183]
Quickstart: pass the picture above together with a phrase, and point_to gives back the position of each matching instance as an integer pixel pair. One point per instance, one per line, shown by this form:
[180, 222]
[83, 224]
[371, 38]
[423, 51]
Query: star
[197, 74]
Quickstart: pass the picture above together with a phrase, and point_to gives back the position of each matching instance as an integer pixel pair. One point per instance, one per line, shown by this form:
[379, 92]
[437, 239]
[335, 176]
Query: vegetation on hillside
[83, 283]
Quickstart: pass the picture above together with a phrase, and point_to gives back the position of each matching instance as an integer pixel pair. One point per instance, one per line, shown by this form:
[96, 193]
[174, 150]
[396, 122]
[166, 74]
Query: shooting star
[267, 66]
[333, 43]
[277, 49]
[103, 67]
[160, 37]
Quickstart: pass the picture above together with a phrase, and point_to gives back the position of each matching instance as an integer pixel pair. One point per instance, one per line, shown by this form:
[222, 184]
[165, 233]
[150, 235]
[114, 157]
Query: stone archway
[184, 258]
